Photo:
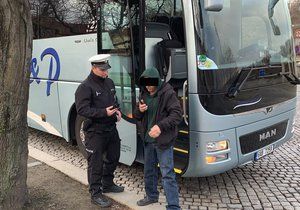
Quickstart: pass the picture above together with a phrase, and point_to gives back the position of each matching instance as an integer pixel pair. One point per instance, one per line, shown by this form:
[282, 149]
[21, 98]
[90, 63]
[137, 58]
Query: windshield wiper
[294, 81]
[239, 82]
[245, 73]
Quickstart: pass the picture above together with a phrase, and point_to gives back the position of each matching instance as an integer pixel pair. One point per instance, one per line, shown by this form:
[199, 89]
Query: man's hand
[142, 106]
[154, 131]
[110, 111]
[119, 116]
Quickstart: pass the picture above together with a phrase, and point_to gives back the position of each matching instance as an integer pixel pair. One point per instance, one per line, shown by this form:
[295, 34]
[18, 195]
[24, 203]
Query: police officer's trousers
[103, 151]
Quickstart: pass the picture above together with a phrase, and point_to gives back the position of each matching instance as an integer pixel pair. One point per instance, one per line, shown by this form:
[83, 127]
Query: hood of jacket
[152, 73]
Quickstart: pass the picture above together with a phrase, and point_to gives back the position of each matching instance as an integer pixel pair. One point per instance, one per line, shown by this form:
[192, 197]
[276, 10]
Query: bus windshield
[245, 33]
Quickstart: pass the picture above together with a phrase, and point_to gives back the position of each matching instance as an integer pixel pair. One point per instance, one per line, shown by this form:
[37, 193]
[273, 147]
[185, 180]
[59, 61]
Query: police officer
[96, 101]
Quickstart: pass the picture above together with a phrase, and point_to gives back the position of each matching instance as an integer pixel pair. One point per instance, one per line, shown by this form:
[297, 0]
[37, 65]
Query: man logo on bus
[34, 68]
[267, 134]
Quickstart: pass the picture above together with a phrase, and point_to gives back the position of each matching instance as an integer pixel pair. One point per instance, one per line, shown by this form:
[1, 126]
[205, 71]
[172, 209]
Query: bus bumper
[237, 153]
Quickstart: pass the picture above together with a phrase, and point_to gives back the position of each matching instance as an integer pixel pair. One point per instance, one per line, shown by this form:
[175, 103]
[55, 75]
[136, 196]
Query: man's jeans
[153, 156]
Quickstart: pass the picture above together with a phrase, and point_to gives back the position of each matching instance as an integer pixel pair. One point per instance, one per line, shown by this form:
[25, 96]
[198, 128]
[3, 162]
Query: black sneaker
[146, 201]
[101, 201]
[113, 188]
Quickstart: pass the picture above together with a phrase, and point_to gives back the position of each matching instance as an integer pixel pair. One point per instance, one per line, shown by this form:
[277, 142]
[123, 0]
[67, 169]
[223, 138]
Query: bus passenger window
[114, 25]
[62, 18]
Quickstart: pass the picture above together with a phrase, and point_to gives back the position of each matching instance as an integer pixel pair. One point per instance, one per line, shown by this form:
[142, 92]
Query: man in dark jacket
[95, 100]
[159, 114]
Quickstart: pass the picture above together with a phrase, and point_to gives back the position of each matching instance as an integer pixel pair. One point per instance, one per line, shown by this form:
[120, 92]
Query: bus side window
[114, 26]
[62, 18]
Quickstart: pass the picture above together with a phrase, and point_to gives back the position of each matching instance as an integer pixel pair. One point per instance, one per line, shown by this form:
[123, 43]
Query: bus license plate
[265, 151]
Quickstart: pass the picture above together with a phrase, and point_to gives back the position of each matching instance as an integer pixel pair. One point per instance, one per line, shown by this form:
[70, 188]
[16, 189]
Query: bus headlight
[216, 158]
[216, 146]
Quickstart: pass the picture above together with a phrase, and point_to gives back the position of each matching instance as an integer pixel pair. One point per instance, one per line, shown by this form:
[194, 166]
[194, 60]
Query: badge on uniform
[98, 93]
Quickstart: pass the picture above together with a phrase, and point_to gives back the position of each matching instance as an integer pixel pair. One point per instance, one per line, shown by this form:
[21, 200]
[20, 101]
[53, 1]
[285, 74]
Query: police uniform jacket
[92, 97]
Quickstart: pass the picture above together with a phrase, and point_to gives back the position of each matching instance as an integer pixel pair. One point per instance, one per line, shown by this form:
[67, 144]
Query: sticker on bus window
[204, 63]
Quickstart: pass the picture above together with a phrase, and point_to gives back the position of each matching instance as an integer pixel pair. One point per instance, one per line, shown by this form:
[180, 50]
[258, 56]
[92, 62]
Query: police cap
[100, 61]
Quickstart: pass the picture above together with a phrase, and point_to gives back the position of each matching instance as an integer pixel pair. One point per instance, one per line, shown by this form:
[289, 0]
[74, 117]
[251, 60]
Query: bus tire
[79, 134]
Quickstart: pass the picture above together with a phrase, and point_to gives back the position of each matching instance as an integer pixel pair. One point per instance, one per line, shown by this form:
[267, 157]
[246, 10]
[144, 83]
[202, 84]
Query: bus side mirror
[213, 5]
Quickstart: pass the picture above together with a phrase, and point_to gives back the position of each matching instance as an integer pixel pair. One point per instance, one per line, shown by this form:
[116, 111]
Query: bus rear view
[242, 84]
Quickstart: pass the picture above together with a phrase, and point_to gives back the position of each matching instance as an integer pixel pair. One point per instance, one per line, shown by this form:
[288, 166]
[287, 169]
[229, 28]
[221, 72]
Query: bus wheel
[79, 134]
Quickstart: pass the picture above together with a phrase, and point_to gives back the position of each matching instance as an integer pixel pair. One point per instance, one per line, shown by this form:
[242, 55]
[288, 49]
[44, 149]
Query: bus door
[115, 39]
[164, 44]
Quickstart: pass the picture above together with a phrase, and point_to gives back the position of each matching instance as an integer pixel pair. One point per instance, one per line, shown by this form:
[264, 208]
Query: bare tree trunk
[15, 54]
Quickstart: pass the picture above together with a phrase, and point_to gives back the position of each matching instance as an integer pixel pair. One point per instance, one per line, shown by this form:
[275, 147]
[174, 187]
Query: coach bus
[231, 63]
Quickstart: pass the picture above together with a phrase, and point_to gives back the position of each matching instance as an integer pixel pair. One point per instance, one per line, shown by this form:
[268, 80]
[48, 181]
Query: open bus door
[158, 41]
[116, 36]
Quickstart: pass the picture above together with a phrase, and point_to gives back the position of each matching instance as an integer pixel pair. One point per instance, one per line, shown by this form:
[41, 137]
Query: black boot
[101, 201]
[146, 201]
[113, 188]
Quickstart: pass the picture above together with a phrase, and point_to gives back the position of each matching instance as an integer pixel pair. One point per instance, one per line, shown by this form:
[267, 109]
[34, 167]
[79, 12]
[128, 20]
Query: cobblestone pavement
[271, 183]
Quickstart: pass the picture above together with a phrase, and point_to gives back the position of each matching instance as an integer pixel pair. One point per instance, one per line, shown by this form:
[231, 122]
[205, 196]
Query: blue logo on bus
[35, 69]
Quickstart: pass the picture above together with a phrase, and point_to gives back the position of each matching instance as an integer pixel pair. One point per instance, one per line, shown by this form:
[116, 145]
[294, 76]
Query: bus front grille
[258, 139]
